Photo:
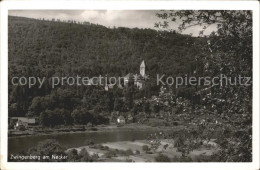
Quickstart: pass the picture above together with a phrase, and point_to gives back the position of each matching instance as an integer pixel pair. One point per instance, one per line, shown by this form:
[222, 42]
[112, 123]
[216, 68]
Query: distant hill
[57, 47]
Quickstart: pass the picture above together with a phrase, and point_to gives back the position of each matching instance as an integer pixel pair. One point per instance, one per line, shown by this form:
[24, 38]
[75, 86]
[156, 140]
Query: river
[67, 140]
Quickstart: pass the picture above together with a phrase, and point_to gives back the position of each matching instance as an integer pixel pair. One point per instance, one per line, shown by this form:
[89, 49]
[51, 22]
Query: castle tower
[142, 68]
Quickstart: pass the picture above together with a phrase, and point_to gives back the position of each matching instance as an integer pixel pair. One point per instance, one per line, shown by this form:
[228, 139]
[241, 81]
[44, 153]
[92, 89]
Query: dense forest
[41, 48]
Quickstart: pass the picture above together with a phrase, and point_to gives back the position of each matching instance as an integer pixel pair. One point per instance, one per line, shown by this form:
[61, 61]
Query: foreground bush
[162, 158]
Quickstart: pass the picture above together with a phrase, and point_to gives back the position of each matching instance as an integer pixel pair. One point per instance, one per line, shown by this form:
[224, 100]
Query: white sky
[108, 18]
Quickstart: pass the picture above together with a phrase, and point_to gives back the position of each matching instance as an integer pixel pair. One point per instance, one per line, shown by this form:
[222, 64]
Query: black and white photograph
[130, 85]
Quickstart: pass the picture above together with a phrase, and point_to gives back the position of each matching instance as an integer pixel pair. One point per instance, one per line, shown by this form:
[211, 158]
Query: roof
[129, 75]
[121, 117]
[142, 64]
[31, 121]
[25, 119]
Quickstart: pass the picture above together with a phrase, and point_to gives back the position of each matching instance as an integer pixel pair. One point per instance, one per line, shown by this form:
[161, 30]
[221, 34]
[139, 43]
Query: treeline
[49, 118]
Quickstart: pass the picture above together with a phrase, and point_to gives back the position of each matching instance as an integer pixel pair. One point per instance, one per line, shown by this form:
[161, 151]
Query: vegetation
[162, 158]
[82, 156]
[44, 150]
[42, 48]
[45, 49]
[230, 50]
[145, 148]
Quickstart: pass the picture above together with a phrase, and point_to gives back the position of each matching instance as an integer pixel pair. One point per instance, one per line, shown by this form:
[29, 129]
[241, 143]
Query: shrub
[73, 155]
[162, 158]
[149, 152]
[82, 156]
[47, 147]
[137, 152]
[129, 160]
[129, 152]
[94, 129]
[104, 147]
[185, 159]
[21, 128]
[110, 154]
[145, 148]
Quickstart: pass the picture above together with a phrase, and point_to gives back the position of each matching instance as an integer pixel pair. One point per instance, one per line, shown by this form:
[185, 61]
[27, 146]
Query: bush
[47, 147]
[82, 156]
[162, 158]
[104, 147]
[149, 152]
[185, 159]
[137, 152]
[110, 154]
[129, 152]
[145, 148]
[21, 128]
[73, 155]
[94, 129]
[129, 160]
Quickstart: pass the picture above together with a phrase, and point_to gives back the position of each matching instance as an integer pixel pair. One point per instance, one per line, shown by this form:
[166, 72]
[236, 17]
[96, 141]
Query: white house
[23, 121]
[121, 120]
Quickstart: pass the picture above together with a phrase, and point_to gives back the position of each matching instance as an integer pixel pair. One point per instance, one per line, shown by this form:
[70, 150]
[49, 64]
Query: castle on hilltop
[138, 79]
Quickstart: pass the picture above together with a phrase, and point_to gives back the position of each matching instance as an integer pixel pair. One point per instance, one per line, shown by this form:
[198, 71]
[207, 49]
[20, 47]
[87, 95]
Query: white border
[127, 5]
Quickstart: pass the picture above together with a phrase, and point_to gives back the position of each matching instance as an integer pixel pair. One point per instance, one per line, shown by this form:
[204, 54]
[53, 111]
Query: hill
[43, 48]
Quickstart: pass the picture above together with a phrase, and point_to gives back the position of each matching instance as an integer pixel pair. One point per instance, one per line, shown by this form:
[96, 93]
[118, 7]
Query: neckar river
[16, 145]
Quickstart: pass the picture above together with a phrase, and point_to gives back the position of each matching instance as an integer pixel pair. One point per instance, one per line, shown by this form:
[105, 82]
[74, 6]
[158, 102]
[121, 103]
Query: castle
[138, 79]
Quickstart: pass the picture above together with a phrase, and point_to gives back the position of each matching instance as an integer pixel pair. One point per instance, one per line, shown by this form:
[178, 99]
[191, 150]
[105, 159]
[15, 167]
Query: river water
[16, 145]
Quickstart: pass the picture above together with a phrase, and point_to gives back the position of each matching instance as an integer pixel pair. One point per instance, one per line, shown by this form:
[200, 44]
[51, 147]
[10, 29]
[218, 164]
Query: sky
[108, 18]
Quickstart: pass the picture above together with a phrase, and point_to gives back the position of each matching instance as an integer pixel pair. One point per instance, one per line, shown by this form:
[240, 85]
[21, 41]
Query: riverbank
[133, 151]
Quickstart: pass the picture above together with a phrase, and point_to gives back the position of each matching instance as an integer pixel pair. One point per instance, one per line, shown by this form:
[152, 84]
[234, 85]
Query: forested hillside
[95, 49]
[42, 48]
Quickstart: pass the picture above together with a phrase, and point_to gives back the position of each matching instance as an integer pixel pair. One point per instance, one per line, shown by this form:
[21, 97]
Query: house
[121, 120]
[19, 124]
[128, 79]
[22, 121]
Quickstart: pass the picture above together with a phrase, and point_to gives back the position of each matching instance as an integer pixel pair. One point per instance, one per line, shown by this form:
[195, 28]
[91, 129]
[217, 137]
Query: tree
[100, 119]
[39, 104]
[64, 116]
[156, 108]
[119, 104]
[228, 51]
[82, 116]
[45, 117]
[146, 108]
[129, 98]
